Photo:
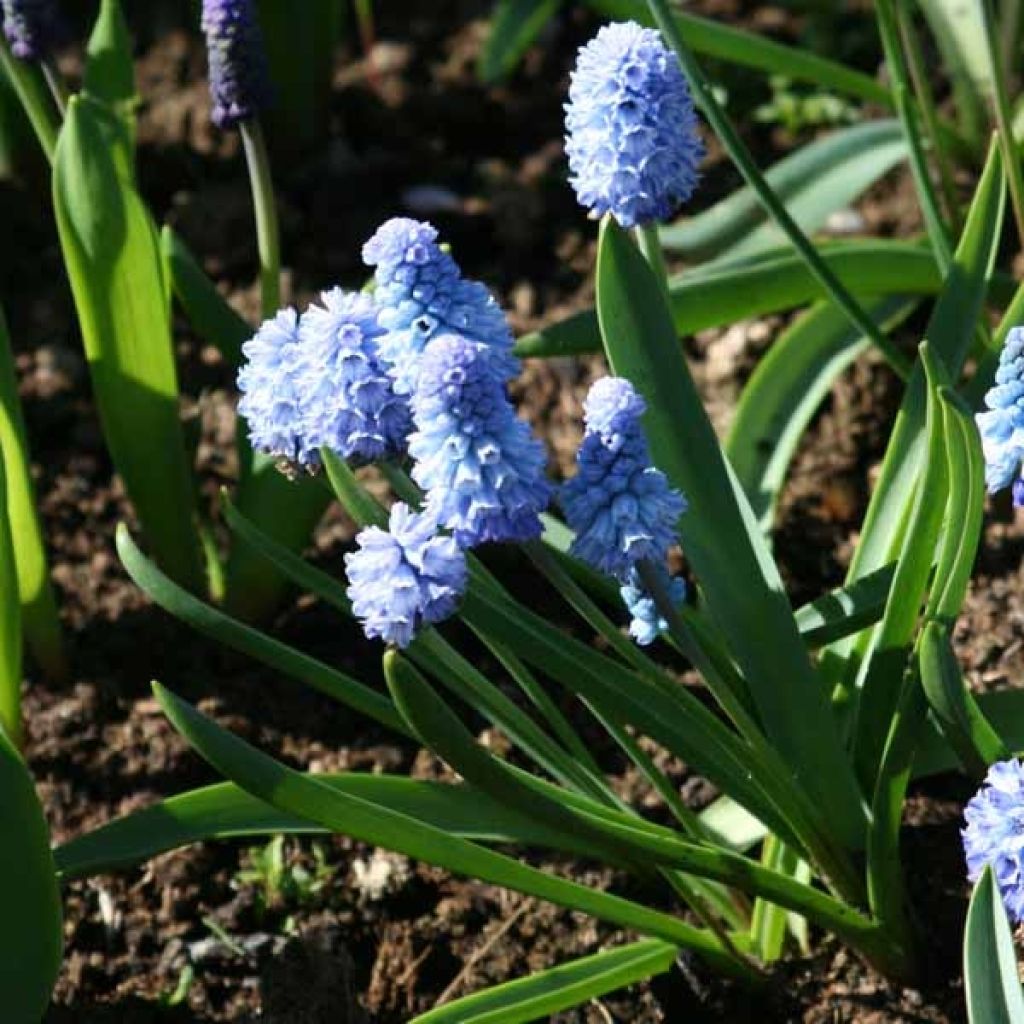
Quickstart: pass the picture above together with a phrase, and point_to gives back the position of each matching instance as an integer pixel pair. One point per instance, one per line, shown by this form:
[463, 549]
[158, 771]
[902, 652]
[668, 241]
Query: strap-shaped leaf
[294, 793]
[784, 392]
[224, 811]
[729, 290]
[213, 623]
[39, 618]
[959, 717]
[31, 938]
[818, 179]
[113, 261]
[950, 333]
[741, 583]
[991, 982]
[515, 26]
[846, 610]
[559, 988]
[10, 621]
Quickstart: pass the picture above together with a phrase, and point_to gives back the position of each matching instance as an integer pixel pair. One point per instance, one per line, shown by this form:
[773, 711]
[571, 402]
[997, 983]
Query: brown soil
[383, 938]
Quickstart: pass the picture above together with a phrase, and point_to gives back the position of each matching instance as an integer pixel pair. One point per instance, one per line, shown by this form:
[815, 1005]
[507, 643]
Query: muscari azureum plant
[826, 713]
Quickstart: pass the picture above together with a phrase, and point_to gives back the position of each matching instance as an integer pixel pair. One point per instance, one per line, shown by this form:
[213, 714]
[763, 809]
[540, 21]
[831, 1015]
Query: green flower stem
[892, 45]
[58, 90]
[776, 210]
[929, 115]
[10, 625]
[267, 234]
[29, 86]
[649, 244]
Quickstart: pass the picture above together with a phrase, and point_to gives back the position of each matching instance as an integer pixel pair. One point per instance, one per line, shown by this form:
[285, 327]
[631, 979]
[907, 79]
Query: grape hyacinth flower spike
[995, 833]
[482, 470]
[631, 129]
[33, 28]
[421, 293]
[239, 73]
[273, 381]
[348, 400]
[1002, 423]
[619, 505]
[404, 577]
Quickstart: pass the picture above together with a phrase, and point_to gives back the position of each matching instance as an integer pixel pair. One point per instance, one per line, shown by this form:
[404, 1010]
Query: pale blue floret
[481, 469]
[995, 833]
[631, 130]
[621, 508]
[349, 403]
[647, 622]
[273, 382]
[1002, 424]
[404, 577]
[421, 293]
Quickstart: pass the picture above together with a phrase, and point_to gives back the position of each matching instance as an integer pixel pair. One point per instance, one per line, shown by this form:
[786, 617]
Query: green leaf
[213, 623]
[110, 70]
[949, 333]
[559, 988]
[224, 811]
[112, 257]
[991, 982]
[739, 580]
[515, 26]
[27, 81]
[846, 610]
[10, 621]
[714, 39]
[790, 382]
[207, 310]
[885, 657]
[292, 792]
[967, 730]
[725, 291]
[39, 617]
[31, 940]
[815, 181]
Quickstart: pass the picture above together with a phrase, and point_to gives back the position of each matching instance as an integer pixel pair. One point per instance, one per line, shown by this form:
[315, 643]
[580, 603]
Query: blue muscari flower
[34, 28]
[482, 470]
[348, 401]
[1002, 423]
[239, 73]
[621, 508]
[273, 381]
[631, 130]
[404, 577]
[421, 293]
[995, 833]
[647, 621]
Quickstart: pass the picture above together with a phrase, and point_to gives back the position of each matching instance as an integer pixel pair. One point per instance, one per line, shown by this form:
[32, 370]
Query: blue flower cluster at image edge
[1002, 423]
[994, 834]
[620, 506]
[631, 128]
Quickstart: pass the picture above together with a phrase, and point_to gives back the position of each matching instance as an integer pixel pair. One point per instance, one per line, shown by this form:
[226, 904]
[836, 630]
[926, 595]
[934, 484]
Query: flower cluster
[239, 73]
[995, 833]
[631, 130]
[621, 507]
[317, 382]
[404, 577]
[1002, 423]
[421, 293]
[482, 470]
[34, 28]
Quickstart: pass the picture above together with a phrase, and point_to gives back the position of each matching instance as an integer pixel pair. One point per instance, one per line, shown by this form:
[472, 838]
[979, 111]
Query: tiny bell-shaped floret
[1001, 424]
[34, 28]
